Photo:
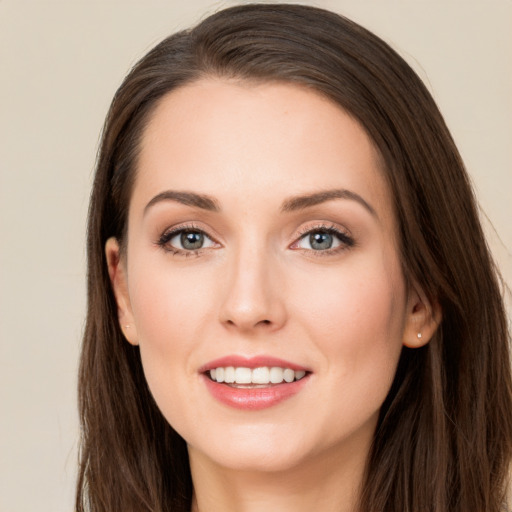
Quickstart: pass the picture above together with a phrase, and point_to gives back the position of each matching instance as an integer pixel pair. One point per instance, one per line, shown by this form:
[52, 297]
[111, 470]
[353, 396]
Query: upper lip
[251, 362]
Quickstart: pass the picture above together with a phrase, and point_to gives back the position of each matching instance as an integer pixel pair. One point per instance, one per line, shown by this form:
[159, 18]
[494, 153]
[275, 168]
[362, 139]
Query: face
[262, 251]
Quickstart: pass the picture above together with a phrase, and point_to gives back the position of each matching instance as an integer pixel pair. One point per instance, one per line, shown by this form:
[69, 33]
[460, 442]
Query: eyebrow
[308, 200]
[292, 204]
[187, 198]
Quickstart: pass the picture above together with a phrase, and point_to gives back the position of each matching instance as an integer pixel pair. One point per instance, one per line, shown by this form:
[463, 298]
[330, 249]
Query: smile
[254, 383]
[261, 376]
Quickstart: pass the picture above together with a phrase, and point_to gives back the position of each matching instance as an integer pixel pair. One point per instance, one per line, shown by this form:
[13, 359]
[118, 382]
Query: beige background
[61, 62]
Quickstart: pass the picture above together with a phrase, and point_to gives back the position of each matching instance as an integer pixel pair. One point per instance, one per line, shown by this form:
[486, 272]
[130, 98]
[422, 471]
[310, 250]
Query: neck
[325, 482]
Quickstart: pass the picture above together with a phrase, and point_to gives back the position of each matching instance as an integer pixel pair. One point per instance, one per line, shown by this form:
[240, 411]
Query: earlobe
[118, 279]
[423, 319]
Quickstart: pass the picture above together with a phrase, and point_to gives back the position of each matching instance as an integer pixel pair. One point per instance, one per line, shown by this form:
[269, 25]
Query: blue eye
[190, 240]
[320, 241]
[185, 240]
[324, 239]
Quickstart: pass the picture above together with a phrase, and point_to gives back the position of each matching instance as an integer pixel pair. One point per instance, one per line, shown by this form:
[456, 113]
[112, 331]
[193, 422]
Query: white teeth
[261, 375]
[289, 375]
[276, 375]
[243, 375]
[229, 375]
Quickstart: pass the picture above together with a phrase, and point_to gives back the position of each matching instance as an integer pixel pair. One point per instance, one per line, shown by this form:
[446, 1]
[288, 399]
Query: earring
[419, 335]
[127, 326]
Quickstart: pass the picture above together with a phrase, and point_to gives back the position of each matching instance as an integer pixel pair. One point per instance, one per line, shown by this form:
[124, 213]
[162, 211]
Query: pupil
[192, 240]
[320, 240]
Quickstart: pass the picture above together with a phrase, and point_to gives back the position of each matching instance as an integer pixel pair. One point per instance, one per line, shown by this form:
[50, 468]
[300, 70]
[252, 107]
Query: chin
[256, 461]
[252, 451]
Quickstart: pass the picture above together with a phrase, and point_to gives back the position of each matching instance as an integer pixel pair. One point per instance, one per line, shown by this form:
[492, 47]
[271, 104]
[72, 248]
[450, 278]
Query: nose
[254, 293]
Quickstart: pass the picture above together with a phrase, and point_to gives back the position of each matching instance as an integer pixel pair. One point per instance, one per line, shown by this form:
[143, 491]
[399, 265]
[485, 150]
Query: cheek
[356, 321]
[356, 317]
[170, 309]
[167, 300]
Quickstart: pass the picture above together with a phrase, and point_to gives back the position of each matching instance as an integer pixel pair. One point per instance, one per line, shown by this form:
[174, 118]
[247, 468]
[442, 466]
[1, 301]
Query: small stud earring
[419, 335]
[127, 326]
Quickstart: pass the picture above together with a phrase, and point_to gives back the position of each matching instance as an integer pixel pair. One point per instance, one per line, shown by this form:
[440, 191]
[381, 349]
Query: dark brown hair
[443, 441]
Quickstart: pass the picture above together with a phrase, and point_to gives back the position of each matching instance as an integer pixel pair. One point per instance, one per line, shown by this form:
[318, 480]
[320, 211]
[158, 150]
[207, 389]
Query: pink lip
[253, 398]
[251, 362]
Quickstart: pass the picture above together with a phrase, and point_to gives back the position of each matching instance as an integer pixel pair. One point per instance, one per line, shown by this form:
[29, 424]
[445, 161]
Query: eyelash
[168, 235]
[346, 241]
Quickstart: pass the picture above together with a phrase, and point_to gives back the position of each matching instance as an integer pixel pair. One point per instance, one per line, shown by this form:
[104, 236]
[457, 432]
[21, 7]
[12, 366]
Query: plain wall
[61, 62]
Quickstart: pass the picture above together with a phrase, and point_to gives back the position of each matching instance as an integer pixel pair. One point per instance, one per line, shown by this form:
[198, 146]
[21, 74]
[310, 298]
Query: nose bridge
[252, 295]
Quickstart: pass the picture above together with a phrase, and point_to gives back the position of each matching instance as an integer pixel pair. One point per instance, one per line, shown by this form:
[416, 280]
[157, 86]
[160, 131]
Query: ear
[118, 279]
[423, 318]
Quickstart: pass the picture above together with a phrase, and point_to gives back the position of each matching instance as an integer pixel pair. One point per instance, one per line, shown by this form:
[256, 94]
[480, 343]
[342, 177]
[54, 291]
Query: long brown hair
[444, 437]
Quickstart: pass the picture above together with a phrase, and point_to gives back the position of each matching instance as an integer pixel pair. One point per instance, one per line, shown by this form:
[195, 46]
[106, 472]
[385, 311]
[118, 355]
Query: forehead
[228, 139]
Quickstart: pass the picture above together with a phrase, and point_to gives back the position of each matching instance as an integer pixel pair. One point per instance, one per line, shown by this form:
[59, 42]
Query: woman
[291, 302]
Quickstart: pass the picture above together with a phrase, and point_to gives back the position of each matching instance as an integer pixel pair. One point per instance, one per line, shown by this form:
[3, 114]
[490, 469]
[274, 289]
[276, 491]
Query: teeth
[243, 375]
[289, 375]
[229, 375]
[276, 375]
[262, 375]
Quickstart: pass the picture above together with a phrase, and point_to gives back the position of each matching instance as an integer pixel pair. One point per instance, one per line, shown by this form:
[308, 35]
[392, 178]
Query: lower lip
[254, 399]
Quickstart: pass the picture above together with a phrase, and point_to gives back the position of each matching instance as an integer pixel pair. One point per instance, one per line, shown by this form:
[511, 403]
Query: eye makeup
[325, 239]
[192, 239]
[319, 240]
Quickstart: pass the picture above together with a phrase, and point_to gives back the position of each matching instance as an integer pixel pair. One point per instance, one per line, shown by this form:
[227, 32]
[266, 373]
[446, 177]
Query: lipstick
[253, 383]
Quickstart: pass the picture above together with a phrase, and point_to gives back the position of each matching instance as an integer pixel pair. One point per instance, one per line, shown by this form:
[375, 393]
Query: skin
[258, 287]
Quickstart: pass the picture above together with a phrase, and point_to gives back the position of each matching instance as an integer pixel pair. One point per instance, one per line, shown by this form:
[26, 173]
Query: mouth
[253, 378]
[254, 383]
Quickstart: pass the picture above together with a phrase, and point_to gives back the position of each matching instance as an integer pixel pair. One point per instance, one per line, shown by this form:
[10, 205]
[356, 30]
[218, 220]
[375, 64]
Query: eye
[324, 239]
[189, 240]
[185, 240]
